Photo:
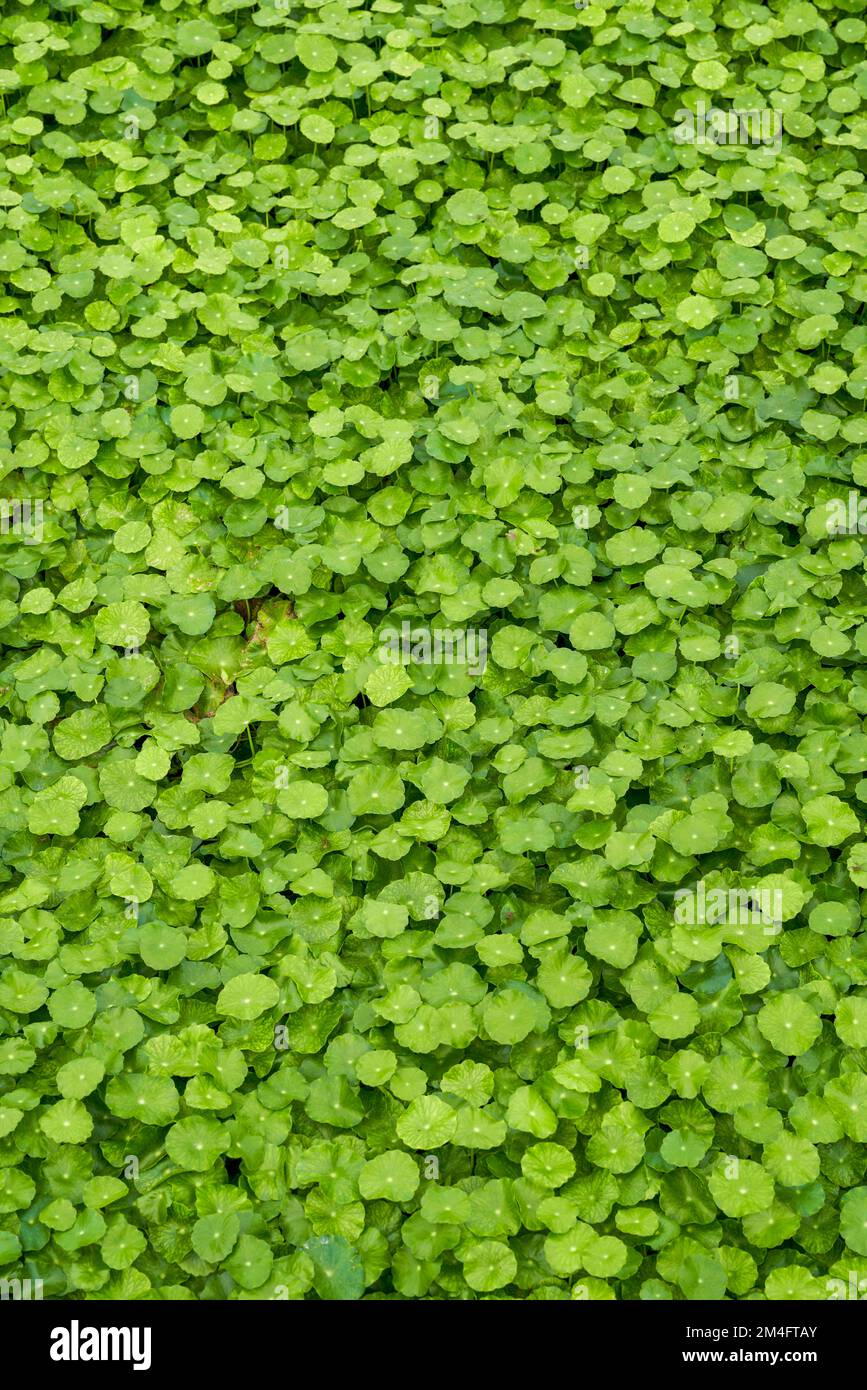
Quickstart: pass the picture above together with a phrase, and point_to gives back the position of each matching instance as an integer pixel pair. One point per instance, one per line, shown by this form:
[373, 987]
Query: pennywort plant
[433, 619]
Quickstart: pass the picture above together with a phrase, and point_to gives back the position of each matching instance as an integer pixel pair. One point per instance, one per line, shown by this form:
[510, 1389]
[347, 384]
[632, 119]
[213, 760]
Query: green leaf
[122, 624]
[214, 1236]
[82, 734]
[247, 996]
[393, 1175]
[789, 1024]
[338, 1270]
[488, 1265]
[195, 1143]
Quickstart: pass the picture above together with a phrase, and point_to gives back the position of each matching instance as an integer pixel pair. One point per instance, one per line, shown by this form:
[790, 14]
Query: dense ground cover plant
[328, 975]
